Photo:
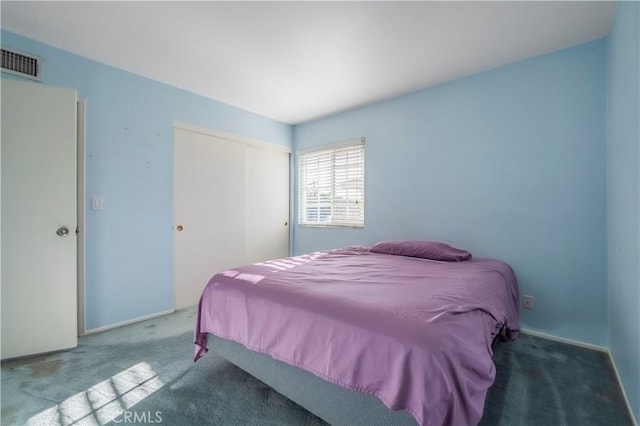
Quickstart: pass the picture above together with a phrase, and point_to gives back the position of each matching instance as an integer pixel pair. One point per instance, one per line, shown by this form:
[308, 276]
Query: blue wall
[623, 196]
[509, 163]
[129, 162]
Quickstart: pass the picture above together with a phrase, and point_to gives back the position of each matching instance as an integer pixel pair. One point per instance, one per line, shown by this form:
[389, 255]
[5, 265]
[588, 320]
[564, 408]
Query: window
[331, 185]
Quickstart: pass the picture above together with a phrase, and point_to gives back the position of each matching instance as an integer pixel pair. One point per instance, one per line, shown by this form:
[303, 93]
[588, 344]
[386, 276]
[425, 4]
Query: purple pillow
[424, 249]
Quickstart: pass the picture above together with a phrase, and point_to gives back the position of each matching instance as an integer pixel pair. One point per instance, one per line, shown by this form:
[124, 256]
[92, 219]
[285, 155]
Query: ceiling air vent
[18, 63]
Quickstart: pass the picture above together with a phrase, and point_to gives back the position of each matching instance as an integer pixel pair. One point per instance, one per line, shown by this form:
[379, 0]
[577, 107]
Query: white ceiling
[296, 61]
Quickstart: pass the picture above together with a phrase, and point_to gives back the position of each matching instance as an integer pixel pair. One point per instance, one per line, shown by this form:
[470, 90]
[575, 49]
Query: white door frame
[80, 220]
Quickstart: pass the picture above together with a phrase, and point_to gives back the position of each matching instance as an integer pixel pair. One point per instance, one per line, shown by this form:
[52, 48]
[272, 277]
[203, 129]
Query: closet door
[267, 204]
[209, 204]
[231, 207]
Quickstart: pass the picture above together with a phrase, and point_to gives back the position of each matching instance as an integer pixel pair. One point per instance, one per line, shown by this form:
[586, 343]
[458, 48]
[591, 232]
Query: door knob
[62, 231]
[179, 228]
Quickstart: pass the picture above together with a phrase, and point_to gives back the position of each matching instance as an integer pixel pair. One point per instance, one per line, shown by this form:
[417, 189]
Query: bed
[403, 329]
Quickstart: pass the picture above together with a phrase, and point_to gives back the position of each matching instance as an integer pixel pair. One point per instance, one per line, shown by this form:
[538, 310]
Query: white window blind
[331, 185]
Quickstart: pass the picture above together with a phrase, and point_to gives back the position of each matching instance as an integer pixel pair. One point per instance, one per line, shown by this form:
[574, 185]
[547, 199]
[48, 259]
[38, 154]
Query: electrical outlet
[527, 302]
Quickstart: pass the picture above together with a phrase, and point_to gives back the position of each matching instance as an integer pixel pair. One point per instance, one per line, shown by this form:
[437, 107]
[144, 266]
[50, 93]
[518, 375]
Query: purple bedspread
[413, 332]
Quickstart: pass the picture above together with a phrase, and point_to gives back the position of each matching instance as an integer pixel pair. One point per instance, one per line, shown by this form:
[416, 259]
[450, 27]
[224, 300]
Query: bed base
[332, 403]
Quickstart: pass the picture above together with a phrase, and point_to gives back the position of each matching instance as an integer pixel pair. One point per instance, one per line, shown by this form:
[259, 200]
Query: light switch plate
[96, 203]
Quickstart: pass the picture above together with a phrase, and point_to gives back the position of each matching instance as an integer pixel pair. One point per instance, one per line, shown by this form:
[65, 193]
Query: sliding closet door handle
[62, 231]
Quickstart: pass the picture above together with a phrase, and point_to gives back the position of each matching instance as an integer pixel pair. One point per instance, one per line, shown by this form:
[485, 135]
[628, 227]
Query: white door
[231, 207]
[39, 282]
[208, 211]
[267, 204]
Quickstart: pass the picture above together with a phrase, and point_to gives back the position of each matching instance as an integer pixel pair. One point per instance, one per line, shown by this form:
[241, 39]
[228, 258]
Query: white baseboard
[624, 394]
[593, 347]
[128, 322]
[565, 340]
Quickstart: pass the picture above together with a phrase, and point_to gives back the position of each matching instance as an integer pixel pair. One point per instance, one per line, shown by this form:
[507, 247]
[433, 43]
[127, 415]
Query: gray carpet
[149, 364]
[543, 382]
